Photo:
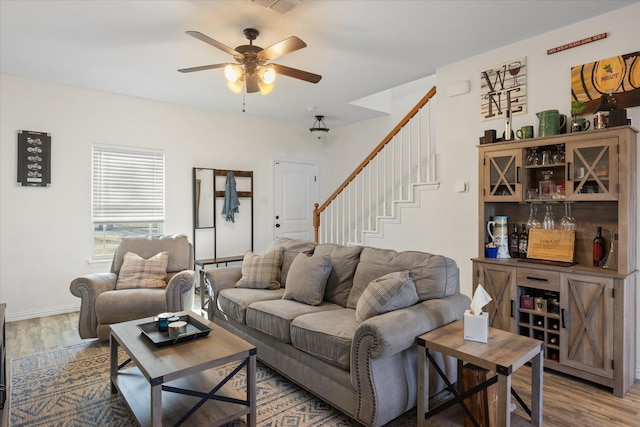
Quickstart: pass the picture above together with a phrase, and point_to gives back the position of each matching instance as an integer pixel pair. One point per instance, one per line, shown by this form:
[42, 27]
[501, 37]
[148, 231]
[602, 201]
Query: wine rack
[542, 321]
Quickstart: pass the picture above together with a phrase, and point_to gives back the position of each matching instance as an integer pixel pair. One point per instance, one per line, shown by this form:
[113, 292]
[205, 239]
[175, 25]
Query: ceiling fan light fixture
[265, 89]
[319, 129]
[235, 87]
[232, 73]
[267, 74]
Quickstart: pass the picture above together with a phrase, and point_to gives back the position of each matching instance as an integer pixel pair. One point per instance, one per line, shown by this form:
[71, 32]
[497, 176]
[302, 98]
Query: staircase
[389, 179]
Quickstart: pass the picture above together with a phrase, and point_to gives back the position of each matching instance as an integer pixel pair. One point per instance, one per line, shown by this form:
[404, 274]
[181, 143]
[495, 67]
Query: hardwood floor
[567, 401]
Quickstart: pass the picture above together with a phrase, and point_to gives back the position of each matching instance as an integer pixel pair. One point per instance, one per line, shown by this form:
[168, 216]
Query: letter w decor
[501, 82]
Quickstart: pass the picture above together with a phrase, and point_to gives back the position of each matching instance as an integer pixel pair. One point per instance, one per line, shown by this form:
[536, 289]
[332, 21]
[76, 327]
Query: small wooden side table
[504, 353]
[201, 267]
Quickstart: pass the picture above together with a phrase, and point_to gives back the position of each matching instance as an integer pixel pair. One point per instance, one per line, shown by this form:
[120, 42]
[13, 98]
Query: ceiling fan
[252, 67]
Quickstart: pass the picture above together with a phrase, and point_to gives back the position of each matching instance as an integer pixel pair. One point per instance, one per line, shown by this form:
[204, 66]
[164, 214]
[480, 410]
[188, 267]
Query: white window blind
[128, 185]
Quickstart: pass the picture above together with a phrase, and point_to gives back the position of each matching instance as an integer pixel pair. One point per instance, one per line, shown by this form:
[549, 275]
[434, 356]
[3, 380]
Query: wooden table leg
[423, 386]
[536, 389]
[504, 400]
[156, 405]
[251, 391]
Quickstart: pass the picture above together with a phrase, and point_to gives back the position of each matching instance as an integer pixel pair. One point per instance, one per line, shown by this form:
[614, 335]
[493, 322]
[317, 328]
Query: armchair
[104, 301]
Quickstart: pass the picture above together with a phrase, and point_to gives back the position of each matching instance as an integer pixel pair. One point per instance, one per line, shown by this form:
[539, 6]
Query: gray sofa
[365, 367]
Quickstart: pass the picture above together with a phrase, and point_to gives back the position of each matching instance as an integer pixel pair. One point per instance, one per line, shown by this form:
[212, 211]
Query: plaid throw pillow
[387, 293]
[137, 272]
[261, 271]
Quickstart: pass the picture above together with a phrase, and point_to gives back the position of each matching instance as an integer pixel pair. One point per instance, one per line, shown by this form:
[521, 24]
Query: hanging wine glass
[533, 221]
[567, 222]
[548, 223]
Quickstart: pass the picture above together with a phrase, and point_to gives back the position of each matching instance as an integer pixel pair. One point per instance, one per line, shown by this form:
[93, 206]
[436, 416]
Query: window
[127, 195]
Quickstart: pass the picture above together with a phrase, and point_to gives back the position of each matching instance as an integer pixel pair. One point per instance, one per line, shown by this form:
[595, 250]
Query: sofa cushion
[326, 335]
[274, 317]
[261, 271]
[344, 260]
[233, 302]
[435, 276]
[138, 272]
[292, 247]
[307, 278]
[387, 293]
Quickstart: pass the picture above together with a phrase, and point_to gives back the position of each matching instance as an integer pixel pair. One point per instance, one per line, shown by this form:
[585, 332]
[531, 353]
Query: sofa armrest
[218, 279]
[87, 288]
[179, 291]
[395, 331]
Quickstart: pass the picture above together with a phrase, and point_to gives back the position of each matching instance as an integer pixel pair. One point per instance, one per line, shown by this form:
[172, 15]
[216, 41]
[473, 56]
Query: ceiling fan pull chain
[243, 101]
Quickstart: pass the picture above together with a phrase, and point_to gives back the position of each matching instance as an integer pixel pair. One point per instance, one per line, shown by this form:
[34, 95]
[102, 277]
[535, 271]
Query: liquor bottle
[598, 247]
[523, 242]
[514, 249]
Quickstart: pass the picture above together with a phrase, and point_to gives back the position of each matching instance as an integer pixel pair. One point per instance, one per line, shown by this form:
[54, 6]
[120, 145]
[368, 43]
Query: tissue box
[476, 327]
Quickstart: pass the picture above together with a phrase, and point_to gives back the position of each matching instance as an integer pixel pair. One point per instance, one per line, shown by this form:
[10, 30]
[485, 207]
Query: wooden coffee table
[504, 353]
[176, 384]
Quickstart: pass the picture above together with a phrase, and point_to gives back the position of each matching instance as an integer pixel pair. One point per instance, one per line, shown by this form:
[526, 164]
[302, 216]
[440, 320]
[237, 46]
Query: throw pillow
[137, 272]
[307, 279]
[387, 293]
[261, 271]
[344, 260]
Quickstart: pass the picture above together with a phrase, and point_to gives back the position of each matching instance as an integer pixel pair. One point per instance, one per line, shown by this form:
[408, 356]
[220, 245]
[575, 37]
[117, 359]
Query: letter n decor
[503, 83]
[34, 158]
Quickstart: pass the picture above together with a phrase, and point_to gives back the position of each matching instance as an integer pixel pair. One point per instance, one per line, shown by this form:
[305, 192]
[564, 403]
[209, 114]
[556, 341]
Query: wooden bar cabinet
[585, 314]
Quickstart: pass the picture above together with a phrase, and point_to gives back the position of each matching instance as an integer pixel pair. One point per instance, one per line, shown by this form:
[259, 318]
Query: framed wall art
[34, 158]
[618, 77]
[502, 86]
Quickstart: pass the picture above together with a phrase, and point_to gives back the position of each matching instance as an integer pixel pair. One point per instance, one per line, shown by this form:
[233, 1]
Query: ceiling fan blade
[201, 68]
[214, 43]
[296, 74]
[252, 83]
[279, 49]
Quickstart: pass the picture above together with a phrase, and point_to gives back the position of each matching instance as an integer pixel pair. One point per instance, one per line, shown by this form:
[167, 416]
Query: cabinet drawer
[541, 279]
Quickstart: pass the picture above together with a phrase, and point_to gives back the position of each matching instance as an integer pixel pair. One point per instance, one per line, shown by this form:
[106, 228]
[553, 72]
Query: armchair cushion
[137, 272]
[261, 271]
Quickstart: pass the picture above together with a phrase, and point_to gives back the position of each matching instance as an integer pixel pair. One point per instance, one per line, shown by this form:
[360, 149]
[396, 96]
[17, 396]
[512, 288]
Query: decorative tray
[195, 329]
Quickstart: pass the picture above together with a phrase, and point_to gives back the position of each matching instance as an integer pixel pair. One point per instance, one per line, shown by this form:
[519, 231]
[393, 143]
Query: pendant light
[319, 129]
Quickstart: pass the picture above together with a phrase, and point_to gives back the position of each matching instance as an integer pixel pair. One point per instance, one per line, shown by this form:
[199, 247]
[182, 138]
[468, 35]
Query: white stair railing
[382, 182]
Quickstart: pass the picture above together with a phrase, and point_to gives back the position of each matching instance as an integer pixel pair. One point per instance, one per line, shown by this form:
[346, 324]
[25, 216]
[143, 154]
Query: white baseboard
[42, 313]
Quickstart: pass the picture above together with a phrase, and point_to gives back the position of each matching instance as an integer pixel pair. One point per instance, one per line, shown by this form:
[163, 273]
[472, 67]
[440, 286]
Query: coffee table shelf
[136, 392]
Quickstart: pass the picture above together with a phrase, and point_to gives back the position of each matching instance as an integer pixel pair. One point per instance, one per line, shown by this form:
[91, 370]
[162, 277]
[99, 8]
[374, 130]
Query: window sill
[99, 262]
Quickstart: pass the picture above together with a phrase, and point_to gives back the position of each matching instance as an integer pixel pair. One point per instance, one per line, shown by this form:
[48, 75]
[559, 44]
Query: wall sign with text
[503, 84]
[34, 158]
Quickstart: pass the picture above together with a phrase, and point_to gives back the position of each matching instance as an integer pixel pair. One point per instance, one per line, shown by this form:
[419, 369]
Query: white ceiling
[359, 47]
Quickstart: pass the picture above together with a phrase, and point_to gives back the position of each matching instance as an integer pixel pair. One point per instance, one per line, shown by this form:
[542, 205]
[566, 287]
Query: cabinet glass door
[586, 318]
[502, 175]
[592, 170]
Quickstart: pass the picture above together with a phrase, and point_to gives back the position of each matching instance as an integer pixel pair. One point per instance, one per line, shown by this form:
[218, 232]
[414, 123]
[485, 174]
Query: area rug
[70, 386]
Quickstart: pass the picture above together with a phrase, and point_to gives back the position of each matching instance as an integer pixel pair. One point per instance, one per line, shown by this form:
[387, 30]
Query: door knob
[277, 225]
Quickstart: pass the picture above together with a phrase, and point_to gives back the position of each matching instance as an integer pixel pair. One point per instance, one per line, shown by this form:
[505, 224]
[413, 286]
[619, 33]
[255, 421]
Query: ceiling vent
[280, 6]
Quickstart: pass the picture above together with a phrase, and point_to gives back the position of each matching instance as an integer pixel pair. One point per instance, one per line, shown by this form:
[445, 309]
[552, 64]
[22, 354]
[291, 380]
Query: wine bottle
[514, 239]
[523, 242]
[598, 247]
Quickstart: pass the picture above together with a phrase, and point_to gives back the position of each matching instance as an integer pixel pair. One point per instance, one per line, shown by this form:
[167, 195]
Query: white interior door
[296, 190]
